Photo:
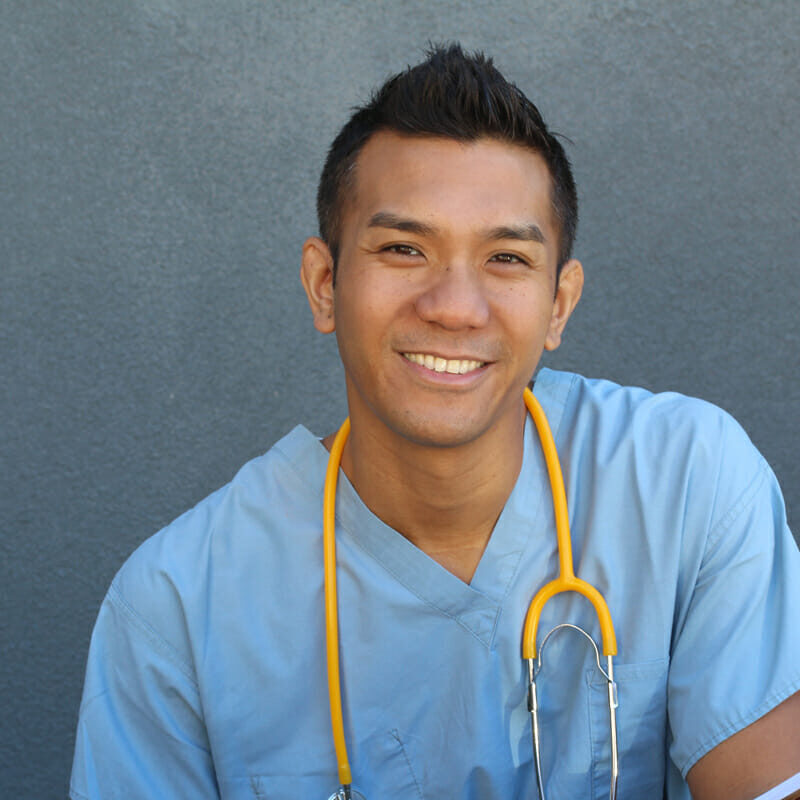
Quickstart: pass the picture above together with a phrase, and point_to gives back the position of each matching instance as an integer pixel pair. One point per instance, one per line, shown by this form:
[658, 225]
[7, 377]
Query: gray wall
[157, 169]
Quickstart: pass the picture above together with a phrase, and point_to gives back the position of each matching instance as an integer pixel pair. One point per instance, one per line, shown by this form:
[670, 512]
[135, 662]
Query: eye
[402, 250]
[507, 258]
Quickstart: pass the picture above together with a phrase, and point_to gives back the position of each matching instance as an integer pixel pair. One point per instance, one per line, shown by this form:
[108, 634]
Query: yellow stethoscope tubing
[566, 581]
[331, 603]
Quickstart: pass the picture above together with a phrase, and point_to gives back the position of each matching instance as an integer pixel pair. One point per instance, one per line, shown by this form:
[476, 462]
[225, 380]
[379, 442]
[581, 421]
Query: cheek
[364, 310]
[379, 298]
[525, 313]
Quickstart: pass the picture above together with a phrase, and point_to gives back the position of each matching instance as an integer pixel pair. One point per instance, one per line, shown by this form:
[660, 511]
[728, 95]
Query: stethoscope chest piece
[347, 793]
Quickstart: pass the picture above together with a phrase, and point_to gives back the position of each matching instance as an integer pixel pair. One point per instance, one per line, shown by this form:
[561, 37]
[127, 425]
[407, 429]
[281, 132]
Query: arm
[735, 672]
[141, 732]
[752, 761]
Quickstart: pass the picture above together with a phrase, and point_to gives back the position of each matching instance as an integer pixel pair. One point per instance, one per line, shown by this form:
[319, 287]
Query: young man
[447, 213]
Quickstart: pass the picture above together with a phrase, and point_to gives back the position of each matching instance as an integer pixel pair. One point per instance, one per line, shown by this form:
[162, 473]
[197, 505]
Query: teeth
[454, 366]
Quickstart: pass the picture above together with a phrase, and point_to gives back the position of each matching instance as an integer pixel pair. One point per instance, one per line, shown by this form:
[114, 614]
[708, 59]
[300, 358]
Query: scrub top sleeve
[737, 653]
[140, 730]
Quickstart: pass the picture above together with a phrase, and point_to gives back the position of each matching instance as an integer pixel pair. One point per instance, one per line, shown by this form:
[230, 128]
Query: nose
[455, 299]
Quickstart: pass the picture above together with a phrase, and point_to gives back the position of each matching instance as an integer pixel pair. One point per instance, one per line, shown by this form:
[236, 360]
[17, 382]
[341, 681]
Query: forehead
[451, 183]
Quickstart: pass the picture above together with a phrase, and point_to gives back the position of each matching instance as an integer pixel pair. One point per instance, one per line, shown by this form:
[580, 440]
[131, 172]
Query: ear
[570, 286]
[316, 275]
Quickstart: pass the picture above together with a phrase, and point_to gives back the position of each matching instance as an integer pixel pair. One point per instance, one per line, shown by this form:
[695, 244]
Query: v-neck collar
[475, 606]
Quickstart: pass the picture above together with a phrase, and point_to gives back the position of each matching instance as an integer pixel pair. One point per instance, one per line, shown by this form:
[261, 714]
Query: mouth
[453, 366]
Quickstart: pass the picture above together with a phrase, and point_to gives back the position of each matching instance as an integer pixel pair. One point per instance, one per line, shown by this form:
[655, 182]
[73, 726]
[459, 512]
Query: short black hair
[454, 95]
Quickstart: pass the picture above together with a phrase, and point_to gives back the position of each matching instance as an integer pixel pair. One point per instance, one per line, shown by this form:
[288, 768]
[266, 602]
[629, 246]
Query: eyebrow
[525, 233]
[529, 232]
[385, 219]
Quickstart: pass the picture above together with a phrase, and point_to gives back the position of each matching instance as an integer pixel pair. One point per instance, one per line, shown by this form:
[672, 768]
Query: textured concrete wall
[157, 169]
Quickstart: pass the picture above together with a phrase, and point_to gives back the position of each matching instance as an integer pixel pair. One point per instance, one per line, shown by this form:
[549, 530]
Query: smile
[455, 366]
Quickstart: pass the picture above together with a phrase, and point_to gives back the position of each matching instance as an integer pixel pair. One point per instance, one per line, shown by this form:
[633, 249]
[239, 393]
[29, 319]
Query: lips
[454, 366]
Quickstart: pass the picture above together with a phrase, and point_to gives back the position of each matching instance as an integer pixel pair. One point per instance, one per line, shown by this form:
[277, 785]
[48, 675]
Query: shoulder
[668, 435]
[678, 469]
[632, 410]
[166, 583]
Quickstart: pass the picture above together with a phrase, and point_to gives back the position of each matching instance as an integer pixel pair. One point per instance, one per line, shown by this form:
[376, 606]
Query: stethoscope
[566, 581]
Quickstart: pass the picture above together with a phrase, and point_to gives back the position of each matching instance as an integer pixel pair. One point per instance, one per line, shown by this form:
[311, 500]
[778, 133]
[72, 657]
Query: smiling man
[443, 266]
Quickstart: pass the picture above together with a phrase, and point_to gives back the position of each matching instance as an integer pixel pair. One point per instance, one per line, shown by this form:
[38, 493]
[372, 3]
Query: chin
[448, 432]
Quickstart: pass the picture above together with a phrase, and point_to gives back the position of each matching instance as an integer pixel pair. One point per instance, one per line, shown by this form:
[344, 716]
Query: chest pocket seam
[652, 672]
[388, 751]
[396, 736]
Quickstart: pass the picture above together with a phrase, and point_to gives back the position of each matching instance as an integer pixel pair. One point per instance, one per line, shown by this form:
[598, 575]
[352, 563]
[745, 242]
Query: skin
[450, 249]
[752, 761]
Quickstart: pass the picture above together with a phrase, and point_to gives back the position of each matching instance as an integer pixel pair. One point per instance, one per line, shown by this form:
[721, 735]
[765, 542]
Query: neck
[445, 500]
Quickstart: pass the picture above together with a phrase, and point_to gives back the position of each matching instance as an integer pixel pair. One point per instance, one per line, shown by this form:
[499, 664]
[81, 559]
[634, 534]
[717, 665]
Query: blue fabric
[206, 674]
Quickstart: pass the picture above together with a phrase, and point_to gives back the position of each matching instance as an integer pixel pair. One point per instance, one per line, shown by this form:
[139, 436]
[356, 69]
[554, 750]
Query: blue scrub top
[206, 673]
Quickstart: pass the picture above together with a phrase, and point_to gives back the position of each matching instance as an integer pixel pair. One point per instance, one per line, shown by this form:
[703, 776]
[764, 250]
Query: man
[447, 213]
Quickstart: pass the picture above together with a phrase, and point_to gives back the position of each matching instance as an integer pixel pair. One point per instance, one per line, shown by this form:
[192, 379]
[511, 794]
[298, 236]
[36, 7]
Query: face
[445, 292]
